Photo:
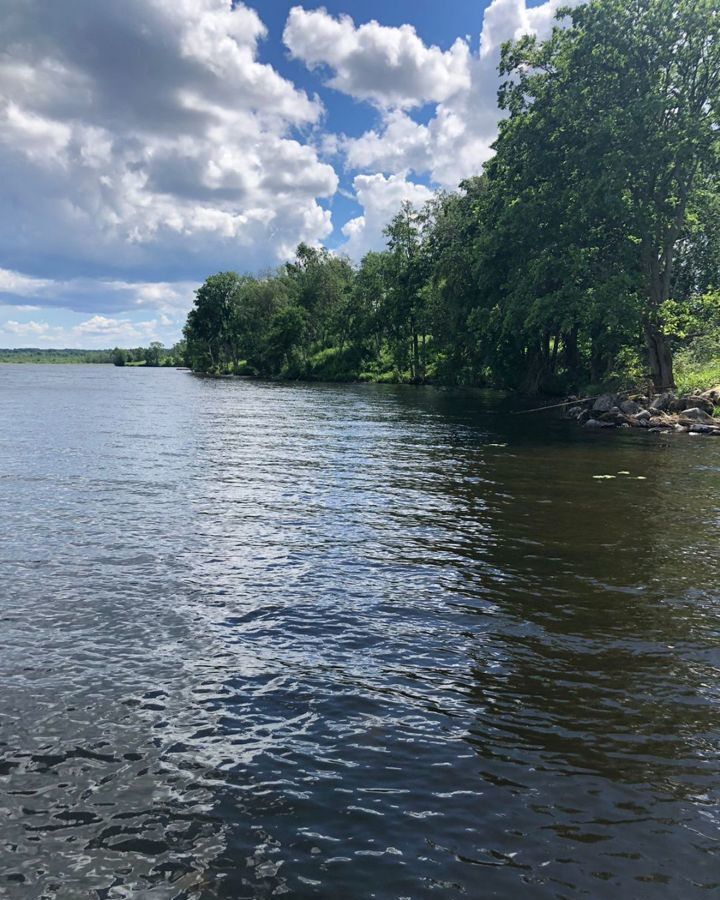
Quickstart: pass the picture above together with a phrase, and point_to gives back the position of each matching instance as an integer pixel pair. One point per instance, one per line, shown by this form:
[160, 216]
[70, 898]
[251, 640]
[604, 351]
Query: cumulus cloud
[146, 136]
[97, 332]
[380, 198]
[389, 66]
[458, 138]
[96, 294]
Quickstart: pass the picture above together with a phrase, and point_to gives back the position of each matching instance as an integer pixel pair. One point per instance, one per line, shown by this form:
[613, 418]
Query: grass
[692, 376]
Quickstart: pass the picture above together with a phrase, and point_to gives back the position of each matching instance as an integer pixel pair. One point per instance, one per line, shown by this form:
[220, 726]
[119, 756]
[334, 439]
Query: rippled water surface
[349, 642]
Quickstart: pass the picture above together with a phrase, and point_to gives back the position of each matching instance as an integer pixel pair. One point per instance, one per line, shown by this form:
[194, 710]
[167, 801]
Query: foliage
[587, 252]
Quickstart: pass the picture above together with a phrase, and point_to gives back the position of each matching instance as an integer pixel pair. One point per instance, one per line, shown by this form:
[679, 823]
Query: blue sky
[147, 144]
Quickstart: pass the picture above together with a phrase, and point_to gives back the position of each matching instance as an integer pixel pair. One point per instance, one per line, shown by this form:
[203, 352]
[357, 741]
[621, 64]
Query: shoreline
[668, 412]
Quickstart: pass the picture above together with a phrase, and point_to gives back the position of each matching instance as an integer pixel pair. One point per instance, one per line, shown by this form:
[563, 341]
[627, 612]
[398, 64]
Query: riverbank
[694, 413]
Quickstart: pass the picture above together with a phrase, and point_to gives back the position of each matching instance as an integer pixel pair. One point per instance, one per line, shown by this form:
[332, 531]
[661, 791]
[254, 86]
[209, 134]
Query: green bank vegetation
[154, 355]
[34, 355]
[586, 253]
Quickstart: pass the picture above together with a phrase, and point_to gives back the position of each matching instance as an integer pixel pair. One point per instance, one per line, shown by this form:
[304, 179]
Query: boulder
[713, 395]
[644, 414]
[630, 407]
[596, 423]
[703, 429]
[681, 429]
[656, 422]
[700, 402]
[696, 414]
[604, 403]
[662, 401]
[574, 412]
[583, 416]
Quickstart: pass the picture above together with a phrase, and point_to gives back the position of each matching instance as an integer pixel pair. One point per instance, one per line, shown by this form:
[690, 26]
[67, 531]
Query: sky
[147, 144]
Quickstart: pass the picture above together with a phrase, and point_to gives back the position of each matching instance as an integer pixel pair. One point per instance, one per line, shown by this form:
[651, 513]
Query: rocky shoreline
[667, 412]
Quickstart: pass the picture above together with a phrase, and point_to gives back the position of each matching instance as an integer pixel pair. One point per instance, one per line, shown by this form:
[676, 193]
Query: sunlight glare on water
[349, 642]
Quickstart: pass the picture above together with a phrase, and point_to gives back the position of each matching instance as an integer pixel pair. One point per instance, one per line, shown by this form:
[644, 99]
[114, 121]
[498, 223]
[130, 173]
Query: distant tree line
[154, 355]
[35, 355]
[587, 251]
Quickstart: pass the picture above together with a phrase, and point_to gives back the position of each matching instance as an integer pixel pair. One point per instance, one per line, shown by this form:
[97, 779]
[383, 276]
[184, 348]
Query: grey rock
[662, 401]
[681, 429]
[630, 407]
[696, 413]
[595, 423]
[699, 402]
[624, 425]
[604, 403]
[643, 415]
[583, 416]
[574, 412]
[702, 429]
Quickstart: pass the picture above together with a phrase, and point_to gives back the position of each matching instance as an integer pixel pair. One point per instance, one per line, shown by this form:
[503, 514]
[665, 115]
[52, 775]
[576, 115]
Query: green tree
[119, 357]
[629, 101]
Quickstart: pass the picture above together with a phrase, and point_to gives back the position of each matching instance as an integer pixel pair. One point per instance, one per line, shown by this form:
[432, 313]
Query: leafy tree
[119, 357]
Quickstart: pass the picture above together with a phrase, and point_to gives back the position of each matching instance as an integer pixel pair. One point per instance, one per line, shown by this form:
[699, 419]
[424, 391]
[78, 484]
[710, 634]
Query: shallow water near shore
[264, 640]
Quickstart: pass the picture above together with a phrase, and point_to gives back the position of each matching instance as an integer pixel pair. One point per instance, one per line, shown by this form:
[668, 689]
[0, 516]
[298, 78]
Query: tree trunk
[416, 355]
[660, 358]
[571, 355]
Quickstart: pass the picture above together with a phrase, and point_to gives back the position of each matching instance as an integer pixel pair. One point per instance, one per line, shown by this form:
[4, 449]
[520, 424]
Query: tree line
[587, 251]
[154, 355]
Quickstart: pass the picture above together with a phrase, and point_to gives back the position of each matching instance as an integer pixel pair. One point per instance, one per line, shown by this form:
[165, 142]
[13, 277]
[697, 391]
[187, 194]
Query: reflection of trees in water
[604, 599]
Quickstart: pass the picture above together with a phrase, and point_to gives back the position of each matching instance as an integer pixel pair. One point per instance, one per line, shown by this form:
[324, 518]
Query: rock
[624, 425]
[583, 417]
[604, 403]
[702, 429]
[574, 412]
[694, 401]
[713, 395]
[696, 414]
[644, 414]
[596, 423]
[681, 429]
[630, 407]
[662, 401]
[656, 422]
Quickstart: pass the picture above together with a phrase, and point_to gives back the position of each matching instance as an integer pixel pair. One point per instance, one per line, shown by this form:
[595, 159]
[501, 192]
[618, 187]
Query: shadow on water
[351, 642]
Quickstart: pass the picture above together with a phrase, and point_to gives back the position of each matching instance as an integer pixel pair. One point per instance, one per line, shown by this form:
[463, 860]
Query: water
[349, 642]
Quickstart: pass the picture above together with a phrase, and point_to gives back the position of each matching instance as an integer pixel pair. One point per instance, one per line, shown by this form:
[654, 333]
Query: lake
[351, 641]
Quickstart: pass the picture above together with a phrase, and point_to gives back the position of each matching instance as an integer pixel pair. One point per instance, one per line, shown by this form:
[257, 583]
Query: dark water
[349, 642]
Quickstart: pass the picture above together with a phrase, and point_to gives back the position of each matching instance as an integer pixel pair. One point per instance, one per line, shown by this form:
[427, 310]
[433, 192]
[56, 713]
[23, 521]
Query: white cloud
[96, 294]
[457, 140]
[97, 332]
[389, 66]
[380, 198]
[148, 135]
[27, 329]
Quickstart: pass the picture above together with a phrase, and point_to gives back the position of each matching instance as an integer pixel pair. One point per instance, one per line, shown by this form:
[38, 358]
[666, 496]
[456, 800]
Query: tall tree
[629, 100]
